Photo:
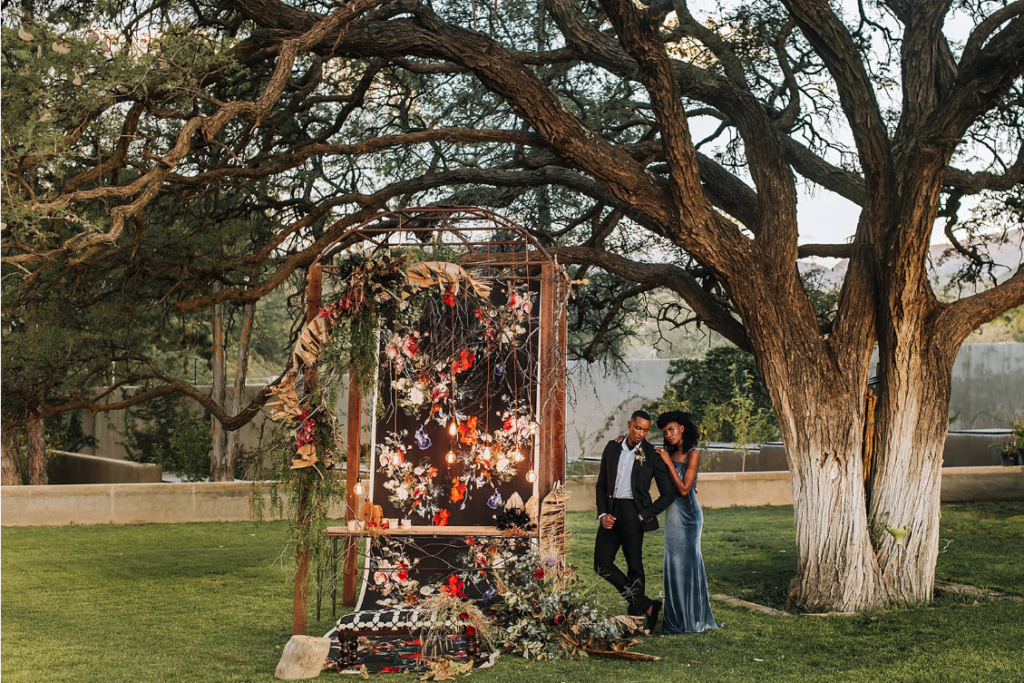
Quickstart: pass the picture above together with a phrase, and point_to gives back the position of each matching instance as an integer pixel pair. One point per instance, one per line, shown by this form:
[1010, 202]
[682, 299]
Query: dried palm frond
[288, 406]
[311, 342]
[554, 536]
[445, 274]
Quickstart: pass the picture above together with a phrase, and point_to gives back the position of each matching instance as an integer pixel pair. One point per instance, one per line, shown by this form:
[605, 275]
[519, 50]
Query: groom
[625, 512]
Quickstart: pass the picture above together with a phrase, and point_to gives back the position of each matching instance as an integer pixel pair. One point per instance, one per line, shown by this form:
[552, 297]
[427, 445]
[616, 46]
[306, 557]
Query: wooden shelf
[422, 531]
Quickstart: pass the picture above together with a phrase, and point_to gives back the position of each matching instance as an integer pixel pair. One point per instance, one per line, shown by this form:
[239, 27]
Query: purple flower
[499, 369]
[495, 501]
[422, 440]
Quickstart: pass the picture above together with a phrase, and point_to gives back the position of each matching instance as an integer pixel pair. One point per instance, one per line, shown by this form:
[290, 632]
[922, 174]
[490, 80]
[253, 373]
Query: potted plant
[1012, 450]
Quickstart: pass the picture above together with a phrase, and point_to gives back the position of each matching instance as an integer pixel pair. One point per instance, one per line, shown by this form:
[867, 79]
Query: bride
[687, 603]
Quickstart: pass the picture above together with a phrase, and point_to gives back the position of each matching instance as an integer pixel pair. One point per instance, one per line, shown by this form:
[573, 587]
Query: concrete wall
[725, 489]
[76, 468]
[129, 504]
[988, 386]
[230, 502]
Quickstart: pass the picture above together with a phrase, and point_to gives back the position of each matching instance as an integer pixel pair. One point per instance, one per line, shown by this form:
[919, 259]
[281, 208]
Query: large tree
[584, 115]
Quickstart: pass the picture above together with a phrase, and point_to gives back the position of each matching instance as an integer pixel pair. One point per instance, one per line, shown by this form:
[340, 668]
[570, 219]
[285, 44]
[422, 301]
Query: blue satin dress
[687, 603]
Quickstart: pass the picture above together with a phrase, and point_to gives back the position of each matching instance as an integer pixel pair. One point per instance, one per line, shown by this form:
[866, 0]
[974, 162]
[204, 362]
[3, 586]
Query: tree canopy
[153, 149]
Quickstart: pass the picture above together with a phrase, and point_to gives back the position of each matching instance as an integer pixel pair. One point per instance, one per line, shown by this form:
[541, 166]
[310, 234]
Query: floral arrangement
[544, 613]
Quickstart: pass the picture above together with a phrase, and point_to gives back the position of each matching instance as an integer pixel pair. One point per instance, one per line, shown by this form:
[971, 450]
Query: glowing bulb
[534, 427]
[486, 453]
[518, 456]
[358, 488]
[531, 476]
[450, 458]
[453, 428]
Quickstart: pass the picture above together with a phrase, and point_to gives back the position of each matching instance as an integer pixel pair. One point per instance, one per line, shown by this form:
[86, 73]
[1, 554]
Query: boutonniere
[640, 457]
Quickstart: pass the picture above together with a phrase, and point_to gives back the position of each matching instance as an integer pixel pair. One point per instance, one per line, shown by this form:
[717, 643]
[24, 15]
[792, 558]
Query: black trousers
[627, 534]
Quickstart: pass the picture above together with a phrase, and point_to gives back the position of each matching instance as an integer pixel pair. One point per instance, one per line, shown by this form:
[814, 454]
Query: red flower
[441, 518]
[539, 574]
[448, 298]
[559, 618]
[391, 670]
[463, 616]
[470, 631]
[454, 588]
[463, 362]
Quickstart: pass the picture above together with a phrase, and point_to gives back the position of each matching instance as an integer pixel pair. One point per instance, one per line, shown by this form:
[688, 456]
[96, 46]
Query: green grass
[209, 602]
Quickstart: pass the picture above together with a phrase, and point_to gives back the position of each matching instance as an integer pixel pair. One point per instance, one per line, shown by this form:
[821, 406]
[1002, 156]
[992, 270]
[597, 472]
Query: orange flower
[468, 430]
[441, 518]
[458, 491]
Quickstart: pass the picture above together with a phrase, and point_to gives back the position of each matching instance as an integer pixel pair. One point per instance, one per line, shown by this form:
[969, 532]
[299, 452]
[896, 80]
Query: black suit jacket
[652, 467]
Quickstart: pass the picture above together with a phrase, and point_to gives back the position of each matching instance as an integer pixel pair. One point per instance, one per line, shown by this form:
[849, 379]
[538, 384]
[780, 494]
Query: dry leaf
[25, 35]
[39, 51]
[61, 48]
[77, 81]
[44, 117]
[444, 273]
[310, 343]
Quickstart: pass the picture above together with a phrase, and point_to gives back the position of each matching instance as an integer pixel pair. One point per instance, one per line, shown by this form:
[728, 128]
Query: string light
[533, 428]
[450, 457]
[486, 453]
[358, 488]
[518, 456]
[531, 476]
[453, 427]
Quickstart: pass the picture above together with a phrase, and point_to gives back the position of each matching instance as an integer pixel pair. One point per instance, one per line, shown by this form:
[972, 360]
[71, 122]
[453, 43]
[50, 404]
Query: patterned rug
[400, 654]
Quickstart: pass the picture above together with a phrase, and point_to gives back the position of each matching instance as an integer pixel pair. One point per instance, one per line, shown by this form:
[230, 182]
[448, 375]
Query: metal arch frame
[552, 345]
[443, 219]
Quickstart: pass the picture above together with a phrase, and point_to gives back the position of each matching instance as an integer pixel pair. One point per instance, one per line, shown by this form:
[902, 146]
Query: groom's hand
[607, 521]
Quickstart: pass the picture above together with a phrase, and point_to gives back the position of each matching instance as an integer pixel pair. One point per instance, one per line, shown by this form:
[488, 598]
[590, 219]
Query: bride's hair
[686, 421]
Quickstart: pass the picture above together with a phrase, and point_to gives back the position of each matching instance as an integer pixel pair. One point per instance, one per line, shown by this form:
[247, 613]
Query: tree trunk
[219, 470]
[11, 457]
[36, 452]
[836, 564]
[911, 425]
[241, 370]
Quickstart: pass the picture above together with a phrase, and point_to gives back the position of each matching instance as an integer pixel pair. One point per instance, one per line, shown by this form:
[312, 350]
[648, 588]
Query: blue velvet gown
[687, 603]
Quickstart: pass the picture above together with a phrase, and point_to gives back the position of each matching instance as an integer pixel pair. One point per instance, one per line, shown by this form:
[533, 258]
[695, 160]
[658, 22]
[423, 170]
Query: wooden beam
[314, 292]
[355, 411]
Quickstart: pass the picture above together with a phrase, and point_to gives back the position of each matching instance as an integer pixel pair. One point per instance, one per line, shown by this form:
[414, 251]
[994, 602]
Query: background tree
[582, 118]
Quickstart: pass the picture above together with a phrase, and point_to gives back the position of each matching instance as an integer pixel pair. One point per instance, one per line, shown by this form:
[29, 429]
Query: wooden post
[551, 467]
[313, 295]
[355, 408]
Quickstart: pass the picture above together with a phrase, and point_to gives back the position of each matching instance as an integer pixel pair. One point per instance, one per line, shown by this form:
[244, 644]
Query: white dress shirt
[623, 475]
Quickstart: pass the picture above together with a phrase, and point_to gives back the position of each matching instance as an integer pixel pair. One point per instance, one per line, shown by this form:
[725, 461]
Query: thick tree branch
[674, 278]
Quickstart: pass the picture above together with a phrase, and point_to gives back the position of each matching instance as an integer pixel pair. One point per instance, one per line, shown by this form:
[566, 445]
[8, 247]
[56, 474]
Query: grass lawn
[210, 602]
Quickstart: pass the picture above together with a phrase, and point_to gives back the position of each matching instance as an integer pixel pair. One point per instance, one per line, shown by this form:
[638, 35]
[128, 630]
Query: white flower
[416, 396]
[402, 493]
[418, 471]
[379, 578]
[502, 464]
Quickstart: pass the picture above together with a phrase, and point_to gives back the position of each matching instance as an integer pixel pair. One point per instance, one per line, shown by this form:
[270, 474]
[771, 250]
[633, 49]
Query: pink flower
[380, 578]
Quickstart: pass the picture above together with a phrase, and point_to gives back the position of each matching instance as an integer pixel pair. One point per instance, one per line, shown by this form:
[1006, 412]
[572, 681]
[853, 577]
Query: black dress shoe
[652, 618]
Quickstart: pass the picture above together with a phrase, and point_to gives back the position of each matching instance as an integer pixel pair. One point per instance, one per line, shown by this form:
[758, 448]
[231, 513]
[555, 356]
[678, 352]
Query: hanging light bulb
[531, 476]
[534, 427]
[358, 488]
[450, 457]
[485, 454]
[453, 427]
[518, 457]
